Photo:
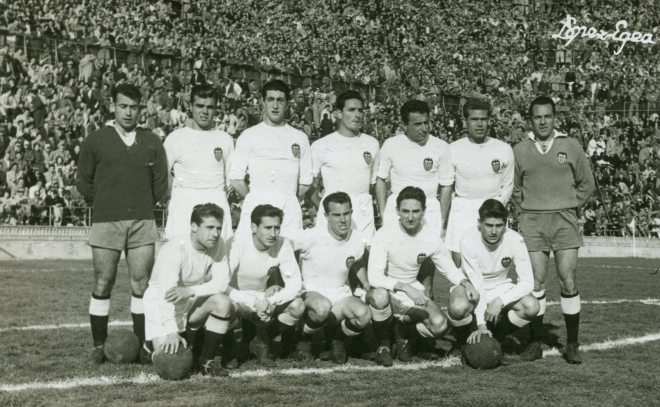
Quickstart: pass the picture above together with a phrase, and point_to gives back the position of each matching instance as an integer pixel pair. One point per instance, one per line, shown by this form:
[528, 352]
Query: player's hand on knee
[475, 337]
[471, 292]
[270, 291]
[176, 294]
[493, 310]
[171, 344]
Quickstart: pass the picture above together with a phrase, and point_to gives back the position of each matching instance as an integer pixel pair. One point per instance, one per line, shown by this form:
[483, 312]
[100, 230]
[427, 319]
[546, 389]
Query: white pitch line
[648, 301]
[151, 378]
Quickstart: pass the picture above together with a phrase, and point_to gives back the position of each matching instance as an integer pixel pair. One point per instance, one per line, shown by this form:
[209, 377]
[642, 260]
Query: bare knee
[139, 285]
[362, 316]
[296, 308]
[530, 307]
[460, 308]
[220, 305]
[438, 325]
[104, 284]
[568, 285]
[319, 309]
[378, 298]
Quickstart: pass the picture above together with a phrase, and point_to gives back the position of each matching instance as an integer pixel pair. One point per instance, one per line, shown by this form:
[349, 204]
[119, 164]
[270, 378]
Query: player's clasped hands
[171, 344]
[264, 309]
[475, 337]
[176, 294]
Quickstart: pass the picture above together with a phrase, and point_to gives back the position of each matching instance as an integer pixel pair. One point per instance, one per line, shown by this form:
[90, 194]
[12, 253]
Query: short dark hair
[130, 91]
[413, 106]
[203, 92]
[475, 104]
[411, 193]
[276, 85]
[348, 95]
[492, 208]
[265, 211]
[207, 210]
[338, 198]
[541, 101]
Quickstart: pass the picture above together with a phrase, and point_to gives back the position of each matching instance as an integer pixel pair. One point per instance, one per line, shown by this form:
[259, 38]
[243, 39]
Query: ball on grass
[175, 366]
[486, 354]
[122, 346]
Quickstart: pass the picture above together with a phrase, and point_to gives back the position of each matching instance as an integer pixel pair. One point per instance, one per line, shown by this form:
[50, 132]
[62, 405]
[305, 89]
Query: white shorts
[153, 320]
[333, 294]
[432, 215]
[400, 301]
[182, 203]
[497, 291]
[362, 219]
[463, 216]
[292, 222]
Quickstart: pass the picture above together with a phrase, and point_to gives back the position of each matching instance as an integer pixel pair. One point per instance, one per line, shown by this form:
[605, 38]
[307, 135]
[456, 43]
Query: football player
[397, 253]
[552, 181]
[252, 260]
[489, 251]
[199, 157]
[186, 292]
[278, 160]
[328, 255]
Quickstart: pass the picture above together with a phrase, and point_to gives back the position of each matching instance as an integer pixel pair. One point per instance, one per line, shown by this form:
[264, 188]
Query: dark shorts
[123, 234]
[550, 231]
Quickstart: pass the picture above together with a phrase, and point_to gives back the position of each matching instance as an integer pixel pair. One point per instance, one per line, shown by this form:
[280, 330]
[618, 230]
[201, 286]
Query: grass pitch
[45, 338]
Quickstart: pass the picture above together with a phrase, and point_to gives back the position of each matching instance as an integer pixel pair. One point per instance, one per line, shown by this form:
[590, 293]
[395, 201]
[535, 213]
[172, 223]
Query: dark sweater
[557, 180]
[124, 183]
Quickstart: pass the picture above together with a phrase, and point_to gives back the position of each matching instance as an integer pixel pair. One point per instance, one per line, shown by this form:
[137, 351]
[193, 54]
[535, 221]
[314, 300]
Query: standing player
[278, 160]
[488, 252]
[552, 180]
[186, 291]
[199, 157]
[328, 255]
[252, 259]
[122, 169]
[482, 168]
[347, 160]
[397, 252]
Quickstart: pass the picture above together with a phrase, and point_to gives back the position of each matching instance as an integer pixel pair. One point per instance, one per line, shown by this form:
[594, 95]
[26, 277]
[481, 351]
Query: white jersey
[250, 269]
[326, 261]
[482, 171]
[489, 266]
[396, 256]
[347, 164]
[200, 159]
[409, 164]
[179, 264]
[276, 158]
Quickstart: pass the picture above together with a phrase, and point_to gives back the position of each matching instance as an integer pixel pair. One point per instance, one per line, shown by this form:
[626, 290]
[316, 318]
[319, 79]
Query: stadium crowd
[439, 52]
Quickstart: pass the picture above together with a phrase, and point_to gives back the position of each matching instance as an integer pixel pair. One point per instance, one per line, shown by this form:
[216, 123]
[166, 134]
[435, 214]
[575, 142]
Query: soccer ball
[122, 346]
[486, 354]
[175, 366]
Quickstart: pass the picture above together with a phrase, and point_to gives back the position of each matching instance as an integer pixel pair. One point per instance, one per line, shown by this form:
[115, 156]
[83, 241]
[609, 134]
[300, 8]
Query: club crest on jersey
[497, 165]
[506, 262]
[420, 258]
[561, 157]
[349, 262]
[428, 163]
[367, 157]
[218, 154]
[295, 149]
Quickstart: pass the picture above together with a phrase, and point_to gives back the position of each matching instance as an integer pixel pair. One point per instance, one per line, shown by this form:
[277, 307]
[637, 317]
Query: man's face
[267, 231]
[208, 232]
[477, 124]
[275, 104]
[418, 127]
[492, 230]
[410, 214]
[203, 111]
[127, 112]
[543, 120]
[351, 115]
[339, 218]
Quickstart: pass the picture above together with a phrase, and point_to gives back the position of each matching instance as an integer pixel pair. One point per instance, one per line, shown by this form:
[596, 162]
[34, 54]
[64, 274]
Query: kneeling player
[185, 292]
[328, 255]
[252, 259]
[397, 253]
[487, 253]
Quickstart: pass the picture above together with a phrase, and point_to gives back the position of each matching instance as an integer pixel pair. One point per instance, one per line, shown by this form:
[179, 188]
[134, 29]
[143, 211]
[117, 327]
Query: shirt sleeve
[470, 267]
[378, 266]
[516, 194]
[506, 187]
[240, 158]
[584, 178]
[229, 154]
[384, 163]
[86, 169]
[170, 151]
[305, 176]
[317, 157]
[374, 165]
[168, 268]
[446, 170]
[235, 251]
[160, 170]
[290, 274]
[525, 283]
[220, 275]
[443, 262]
